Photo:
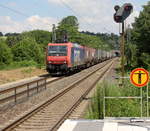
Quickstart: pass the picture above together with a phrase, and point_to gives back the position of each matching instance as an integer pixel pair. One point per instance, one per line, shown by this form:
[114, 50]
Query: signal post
[122, 52]
[120, 16]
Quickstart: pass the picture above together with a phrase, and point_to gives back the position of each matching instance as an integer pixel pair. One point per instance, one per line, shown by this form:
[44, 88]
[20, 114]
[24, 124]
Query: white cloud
[41, 22]
[97, 13]
[12, 4]
[94, 15]
[131, 18]
[7, 24]
[54, 1]
[59, 1]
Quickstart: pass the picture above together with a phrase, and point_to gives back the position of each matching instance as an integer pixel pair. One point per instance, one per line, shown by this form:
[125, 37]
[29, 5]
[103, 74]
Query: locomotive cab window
[57, 50]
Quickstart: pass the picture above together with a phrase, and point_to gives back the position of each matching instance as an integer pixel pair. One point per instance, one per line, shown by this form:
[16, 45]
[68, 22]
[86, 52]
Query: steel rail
[56, 126]
[41, 106]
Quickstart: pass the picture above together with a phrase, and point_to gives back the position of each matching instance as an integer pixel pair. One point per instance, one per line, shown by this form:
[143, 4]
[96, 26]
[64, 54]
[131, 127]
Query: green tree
[1, 34]
[12, 40]
[28, 49]
[89, 40]
[130, 53]
[5, 53]
[141, 34]
[42, 37]
[67, 27]
[70, 21]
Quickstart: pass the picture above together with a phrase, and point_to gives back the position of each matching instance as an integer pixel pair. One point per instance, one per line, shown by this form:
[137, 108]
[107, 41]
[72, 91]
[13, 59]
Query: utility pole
[122, 52]
[54, 34]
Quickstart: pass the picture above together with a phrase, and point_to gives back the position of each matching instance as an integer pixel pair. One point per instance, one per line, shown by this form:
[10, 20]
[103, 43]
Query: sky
[93, 15]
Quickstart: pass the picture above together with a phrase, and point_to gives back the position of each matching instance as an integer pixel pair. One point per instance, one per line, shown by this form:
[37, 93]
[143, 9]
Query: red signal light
[128, 8]
[117, 17]
[122, 12]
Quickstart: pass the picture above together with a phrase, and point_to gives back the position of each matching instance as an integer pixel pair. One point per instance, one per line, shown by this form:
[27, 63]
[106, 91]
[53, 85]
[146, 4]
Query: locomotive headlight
[65, 62]
[49, 62]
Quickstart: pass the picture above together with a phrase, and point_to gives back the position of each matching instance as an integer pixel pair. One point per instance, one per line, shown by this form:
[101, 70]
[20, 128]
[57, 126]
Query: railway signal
[116, 17]
[120, 16]
[122, 12]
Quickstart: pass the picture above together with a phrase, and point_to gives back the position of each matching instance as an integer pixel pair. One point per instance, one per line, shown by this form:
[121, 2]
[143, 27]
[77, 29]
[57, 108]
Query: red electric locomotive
[64, 57]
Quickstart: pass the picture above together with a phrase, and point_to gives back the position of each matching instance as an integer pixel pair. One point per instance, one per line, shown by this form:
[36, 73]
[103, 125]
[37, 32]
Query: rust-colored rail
[69, 111]
[40, 107]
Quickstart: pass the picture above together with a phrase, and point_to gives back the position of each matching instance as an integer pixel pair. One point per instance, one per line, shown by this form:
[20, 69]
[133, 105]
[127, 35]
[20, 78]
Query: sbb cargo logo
[139, 77]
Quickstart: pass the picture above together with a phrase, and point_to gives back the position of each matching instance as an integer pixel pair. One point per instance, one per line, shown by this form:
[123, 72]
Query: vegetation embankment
[137, 55]
[138, 44]
[28, 48]
[128, 107]
[21, 50]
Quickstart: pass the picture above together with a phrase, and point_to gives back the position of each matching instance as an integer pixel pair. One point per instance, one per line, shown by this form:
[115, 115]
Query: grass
[3, 37]
[28, 70]
[116, 107]
[25, 63]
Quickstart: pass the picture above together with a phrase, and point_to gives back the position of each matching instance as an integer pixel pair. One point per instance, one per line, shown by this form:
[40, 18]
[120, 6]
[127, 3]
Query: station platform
[108, 124]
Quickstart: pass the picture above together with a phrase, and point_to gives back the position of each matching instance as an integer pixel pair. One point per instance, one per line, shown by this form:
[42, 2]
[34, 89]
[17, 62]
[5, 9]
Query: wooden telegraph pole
[122, 53]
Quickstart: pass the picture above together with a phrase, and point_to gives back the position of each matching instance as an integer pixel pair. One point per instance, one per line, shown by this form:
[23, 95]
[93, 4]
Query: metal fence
[25, 88]
[140, 97]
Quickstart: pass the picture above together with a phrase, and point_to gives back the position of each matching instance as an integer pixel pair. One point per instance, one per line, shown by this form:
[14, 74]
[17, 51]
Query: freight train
[66, 57]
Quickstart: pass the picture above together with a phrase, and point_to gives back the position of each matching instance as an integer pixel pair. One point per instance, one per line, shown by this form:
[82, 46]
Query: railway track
[50, 114]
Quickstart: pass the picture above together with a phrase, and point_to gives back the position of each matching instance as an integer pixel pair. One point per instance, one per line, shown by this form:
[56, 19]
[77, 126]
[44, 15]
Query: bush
[12, 40]
[114, 107]
[26, 63]
[145, 58]
[28, 49]
[19, 64]
[5, 53]
[41, 37]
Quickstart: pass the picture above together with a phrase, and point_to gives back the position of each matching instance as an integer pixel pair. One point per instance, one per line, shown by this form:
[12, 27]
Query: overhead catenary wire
[22, 14]
[16, 12]
[13, 10]
[81, 17]
[64, 3]
[70, 8]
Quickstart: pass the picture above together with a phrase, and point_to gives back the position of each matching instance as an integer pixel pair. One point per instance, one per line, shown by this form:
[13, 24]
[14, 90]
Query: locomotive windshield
[57, 50]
